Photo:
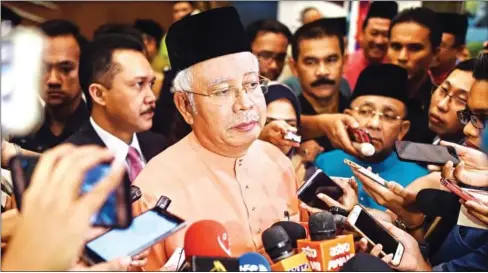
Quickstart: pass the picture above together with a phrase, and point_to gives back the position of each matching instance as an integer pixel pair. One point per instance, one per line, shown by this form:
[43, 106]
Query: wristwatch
[400, 224]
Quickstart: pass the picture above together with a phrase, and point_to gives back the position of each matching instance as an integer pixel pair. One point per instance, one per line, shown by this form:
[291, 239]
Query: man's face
[385, 130]
[449, 98]
[180, 10]
[374, 39]
[310, 16]
[151, 46]
[448, 53]
[410, 48]
[130, 102]
[319, 67]
[478, 105]
[270, 48]
[282, 109]
[61, 84]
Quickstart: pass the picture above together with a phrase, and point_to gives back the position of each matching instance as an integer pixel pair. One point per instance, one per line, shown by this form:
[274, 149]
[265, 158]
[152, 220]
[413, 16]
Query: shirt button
[362, 198]
[247, 186]
[259, 230]
[253, 208]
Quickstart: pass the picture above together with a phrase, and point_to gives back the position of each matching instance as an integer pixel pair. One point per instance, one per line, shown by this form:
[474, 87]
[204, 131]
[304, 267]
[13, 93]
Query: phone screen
[425, 153]
[319, 182]
[145, 230]
[376, 233]
[115, 212]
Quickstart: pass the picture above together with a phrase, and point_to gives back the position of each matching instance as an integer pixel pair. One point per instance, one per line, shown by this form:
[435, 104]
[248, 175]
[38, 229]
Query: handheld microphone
[214, 264]
[326, 251]
[135, 193]
[446, 203]
[363, 262]
[294, 230]
[163, 202]
[206, 238]
[277, 245]
[253, 262]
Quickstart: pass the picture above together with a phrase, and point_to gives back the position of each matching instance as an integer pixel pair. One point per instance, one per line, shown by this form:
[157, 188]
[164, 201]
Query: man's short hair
[116, 28]
[481, 67]
[151, 28]
[267, 25]
[96, 62]
[314, 30]
[422, 16]
[62, 27]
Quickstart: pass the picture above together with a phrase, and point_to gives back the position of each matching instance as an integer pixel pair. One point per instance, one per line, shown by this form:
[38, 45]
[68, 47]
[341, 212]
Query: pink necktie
[135, 164]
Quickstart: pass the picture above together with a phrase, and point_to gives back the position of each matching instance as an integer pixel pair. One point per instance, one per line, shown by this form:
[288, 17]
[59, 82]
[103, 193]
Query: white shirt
[120, 148]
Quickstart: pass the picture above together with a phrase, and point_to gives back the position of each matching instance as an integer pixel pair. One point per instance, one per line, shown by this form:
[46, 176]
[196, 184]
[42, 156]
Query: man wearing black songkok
[380, 107]
[454, 28]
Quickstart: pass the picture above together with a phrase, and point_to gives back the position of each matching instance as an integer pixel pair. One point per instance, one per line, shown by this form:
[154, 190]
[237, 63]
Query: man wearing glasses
[269, 40]
[448, 99]
[379, 106]
[220, 171]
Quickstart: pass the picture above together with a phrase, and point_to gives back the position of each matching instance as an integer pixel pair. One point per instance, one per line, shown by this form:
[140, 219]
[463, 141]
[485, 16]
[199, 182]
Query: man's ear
[404, 129]
[98, 94]
[293, 66]
[460, 52]
[184, 107]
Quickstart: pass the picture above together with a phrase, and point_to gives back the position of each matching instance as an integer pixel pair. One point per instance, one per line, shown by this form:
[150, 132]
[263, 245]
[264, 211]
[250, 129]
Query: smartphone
[425, 153]
[376, 178]
[454, 188]
[363, 223]
[115, 213]
[22, 73]
[319, 182]
[146, 230]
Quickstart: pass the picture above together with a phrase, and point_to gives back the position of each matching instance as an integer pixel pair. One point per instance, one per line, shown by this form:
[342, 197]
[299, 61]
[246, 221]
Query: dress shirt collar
[115, 144]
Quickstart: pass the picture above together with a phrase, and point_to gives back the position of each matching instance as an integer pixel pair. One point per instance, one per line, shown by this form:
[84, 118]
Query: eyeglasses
[267, 56]
[254, 89]
[465, 116]
[458, 101]
[368, 112]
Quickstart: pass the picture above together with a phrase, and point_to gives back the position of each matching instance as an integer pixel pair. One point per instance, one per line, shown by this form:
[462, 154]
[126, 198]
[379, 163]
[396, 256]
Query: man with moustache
[415, 36]
[220, 171]
[454, 28]
[379, 106]
[65, 110]
[447, 100]
[373, 39]
[117, 79]
[318, 59]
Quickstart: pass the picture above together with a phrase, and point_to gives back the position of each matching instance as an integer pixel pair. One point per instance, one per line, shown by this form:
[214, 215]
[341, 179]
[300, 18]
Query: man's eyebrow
[218, 81]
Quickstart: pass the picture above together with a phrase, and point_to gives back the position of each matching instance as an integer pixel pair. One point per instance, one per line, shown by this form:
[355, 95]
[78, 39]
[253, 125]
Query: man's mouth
[433, 118]
[245, 126]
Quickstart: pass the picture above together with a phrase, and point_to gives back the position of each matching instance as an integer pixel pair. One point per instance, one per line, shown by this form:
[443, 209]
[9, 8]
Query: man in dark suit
[117, 79]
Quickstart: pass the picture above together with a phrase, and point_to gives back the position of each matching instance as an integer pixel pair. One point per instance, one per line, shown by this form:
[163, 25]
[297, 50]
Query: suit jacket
[151, 143]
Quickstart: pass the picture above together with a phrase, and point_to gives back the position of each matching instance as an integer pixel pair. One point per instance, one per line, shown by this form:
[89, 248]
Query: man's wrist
[422, 265]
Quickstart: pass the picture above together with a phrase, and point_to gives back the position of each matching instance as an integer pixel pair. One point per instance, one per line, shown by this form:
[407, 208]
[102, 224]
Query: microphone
[294, 230]
[277, 245]
[135, 193]
[163, 202]
[326, 251]
[214, 264]
[438, 203]
[363, 262]
[253, 262]
[206, 238]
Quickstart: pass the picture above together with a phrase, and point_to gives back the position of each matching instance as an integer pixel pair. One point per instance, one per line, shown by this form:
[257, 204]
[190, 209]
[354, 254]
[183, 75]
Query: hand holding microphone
[275, 132]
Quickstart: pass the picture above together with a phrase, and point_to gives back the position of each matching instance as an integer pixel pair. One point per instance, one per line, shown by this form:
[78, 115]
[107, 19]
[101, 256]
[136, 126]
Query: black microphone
[438, 203]
[294, 230]
[163, 202]
[135, 193]
[363, 262]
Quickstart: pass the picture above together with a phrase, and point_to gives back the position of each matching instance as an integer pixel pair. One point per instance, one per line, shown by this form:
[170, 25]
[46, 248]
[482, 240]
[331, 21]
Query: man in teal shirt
[379, 104]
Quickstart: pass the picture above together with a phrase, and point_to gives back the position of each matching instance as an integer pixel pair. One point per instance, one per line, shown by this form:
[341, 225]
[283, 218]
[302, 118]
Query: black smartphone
[425, 153]
[115, 213]
[146, 230]
[319, 182]
[375, 233]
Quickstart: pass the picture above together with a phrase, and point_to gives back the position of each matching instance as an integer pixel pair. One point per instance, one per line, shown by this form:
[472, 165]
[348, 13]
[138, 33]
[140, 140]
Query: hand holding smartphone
[365, 224]
[319, 182]
[376, 178]
[463, 194]
[115, 213]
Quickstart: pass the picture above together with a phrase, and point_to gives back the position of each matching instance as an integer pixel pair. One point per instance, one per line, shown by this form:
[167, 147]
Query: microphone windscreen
[294, 230]
[362, 262]
[322, 226]
[438, 203]
[206, 238]
[135, 193]
[253, 262]
[276, 242]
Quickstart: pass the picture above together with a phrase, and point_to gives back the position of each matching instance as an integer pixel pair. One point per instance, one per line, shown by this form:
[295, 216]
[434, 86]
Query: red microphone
[206, 238]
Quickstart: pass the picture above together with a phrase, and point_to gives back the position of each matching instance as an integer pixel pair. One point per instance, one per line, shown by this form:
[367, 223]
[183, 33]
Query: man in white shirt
[117, 79]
